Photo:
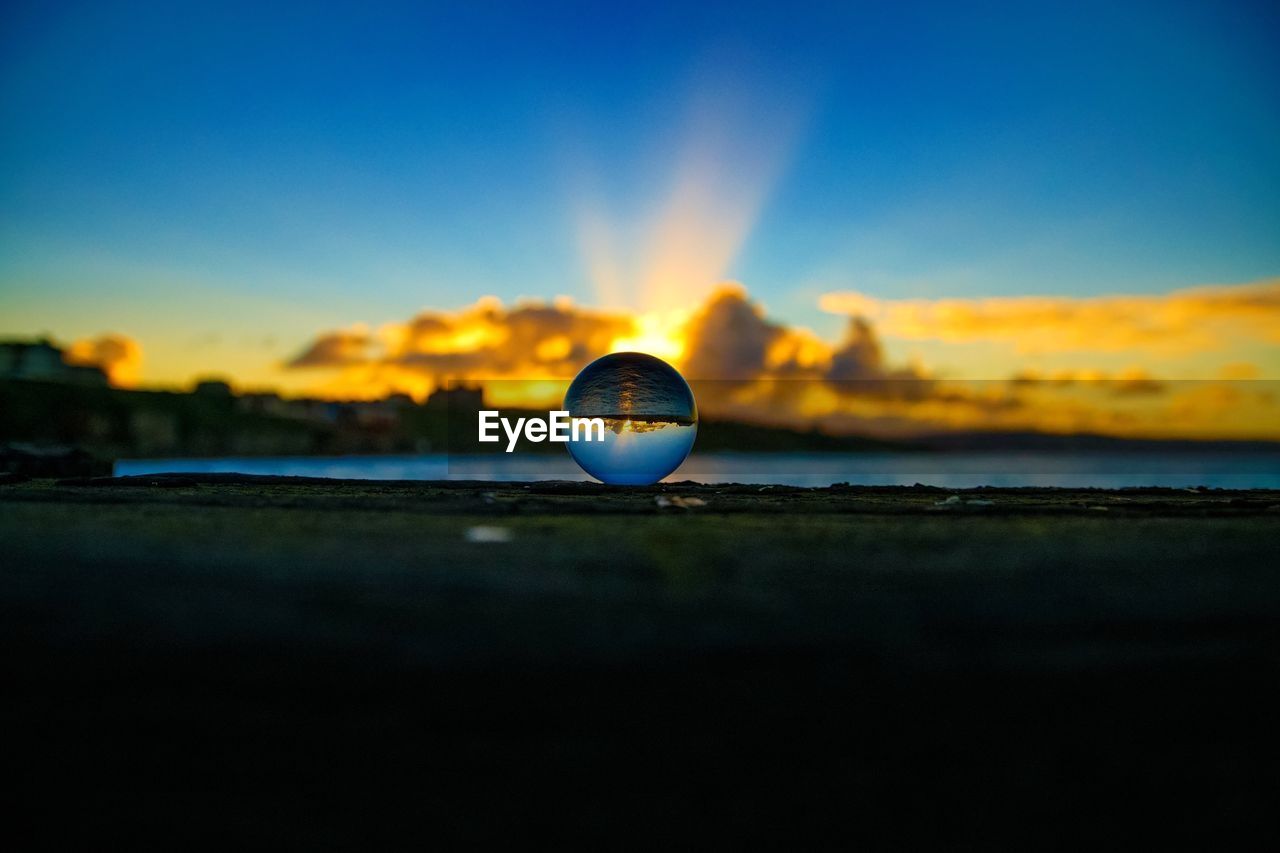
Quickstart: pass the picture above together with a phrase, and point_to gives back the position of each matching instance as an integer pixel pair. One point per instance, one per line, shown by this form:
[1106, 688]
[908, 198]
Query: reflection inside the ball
[635, 452]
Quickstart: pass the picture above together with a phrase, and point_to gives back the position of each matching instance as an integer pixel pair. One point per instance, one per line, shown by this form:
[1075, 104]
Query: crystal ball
[650, 418]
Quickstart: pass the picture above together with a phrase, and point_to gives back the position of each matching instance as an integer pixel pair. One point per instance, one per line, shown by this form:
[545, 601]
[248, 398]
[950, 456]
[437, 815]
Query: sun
[657, 334]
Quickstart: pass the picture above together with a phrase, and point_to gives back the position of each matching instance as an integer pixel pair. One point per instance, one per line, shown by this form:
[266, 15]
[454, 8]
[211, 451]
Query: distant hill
[716, 435]
[1040, 442]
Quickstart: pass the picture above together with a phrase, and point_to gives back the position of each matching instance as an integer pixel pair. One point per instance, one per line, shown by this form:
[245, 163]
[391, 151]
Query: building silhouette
[43, 362]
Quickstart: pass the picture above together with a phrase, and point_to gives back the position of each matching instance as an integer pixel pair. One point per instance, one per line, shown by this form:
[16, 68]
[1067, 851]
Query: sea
[1227, 470]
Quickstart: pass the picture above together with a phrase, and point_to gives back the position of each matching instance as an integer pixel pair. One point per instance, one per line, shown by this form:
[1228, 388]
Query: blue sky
[243, 177]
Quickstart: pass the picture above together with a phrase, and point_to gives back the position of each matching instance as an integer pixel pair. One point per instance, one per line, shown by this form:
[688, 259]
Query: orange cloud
[1182, 321]
[1132, 381]
[118, 356]
[335, 349]
[744, 365]
[727, 338]
[730, 338]
[484, 341]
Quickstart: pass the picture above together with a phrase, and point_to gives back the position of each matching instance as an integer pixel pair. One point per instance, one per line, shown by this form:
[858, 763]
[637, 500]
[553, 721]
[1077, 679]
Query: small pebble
[485, 533]
[677, 500]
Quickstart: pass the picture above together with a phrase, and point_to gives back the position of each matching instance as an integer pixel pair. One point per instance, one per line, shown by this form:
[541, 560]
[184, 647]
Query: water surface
[1230, 470]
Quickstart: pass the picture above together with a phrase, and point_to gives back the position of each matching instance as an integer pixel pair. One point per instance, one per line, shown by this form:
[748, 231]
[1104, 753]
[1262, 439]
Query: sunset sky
[341, 200]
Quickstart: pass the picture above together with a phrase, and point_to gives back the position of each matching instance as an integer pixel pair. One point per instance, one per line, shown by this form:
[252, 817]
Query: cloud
[531, 340]
[730, 338]
[118, 356]
[745, 365]
[1132, 382]
[727, 338]
[1182, 321]
[335, 349]
[1239, 370]
[482, 341]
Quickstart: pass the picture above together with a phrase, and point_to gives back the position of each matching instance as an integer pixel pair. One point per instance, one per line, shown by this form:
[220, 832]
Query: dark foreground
[344, 664]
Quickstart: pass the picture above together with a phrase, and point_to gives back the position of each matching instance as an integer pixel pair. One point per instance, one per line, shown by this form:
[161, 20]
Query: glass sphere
[650, 418]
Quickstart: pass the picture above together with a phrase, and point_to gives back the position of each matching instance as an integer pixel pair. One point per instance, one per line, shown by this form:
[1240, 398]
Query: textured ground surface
[1049, 667]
